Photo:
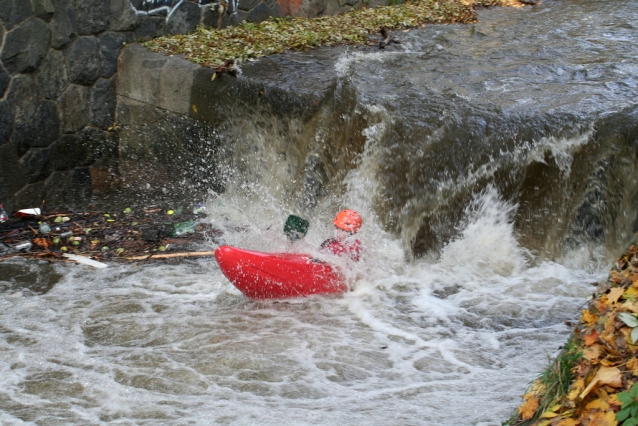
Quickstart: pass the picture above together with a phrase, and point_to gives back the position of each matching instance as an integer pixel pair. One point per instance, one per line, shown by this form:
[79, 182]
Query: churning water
[493, 166]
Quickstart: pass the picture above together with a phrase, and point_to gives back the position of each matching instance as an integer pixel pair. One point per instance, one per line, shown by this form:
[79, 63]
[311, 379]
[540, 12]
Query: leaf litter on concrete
[248, 41]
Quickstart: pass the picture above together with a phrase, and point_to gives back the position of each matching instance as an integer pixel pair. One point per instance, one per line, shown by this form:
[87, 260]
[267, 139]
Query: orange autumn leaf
[613, 401]
[632, 366]
[569, 422]
[603, 419]
[591, 338]
[614, 294]
[594, 352]
[528, 409]
[605, 376]
[588, 318]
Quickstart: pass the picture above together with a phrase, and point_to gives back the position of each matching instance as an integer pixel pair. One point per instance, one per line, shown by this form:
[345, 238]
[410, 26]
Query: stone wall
[59, 143]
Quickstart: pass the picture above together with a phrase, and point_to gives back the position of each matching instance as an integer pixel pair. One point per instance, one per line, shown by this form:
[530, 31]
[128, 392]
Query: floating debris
[106, 237]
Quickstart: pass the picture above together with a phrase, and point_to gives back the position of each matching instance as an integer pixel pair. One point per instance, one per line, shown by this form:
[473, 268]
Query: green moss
[247, 41]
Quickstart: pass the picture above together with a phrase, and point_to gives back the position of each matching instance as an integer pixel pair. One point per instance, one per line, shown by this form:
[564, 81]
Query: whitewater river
[486, 183]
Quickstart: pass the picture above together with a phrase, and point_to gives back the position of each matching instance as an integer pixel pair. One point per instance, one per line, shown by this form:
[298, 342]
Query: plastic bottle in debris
[199, 209]
[3, 215]
[187, 227]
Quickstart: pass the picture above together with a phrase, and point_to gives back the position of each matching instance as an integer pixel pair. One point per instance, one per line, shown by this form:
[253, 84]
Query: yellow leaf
[614, 294]
[632, 365]
[613, 400]
[211, 79]
[597, 404]
[603, 419]
[631, 292]
[588, 318]
[528, 409]
[605, 376]
[195, 109]
[569, 422]
[577, 388]
[548, 415]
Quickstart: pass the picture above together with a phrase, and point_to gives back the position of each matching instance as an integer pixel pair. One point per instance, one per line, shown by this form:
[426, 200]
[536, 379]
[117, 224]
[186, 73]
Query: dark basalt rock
[260, 13]
[36, 165]
[25, 46]
[43, 9]
[6, 122]
[31, 195]
[64, 26]
[74, 109]
[12, 12]
[21, 138]
[83, 60]
[123, 16]
[45, 126]
[183, 19]
[11, 175]
[103, 104]
[58, 190]
[67, 153]
[99, 144]
[110, 47]
[52, 74]
[248, 4]
[81, 186]
[4, 81]
[150, 27]
[24, 96]
[93, 16]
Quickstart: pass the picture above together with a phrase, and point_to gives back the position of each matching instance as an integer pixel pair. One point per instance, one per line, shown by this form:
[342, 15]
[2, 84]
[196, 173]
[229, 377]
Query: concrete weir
[174, 116]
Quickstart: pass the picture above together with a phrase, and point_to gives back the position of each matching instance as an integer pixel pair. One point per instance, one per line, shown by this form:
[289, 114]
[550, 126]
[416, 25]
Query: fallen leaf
[577, 388]
[594, 351]
[631, 293]
[569, 422]
[597, 404]
[588, 318]
[613, 401]
[528, 409]
[614, 294]
[603, 419]
[42, 242]
[605, 376]
[632, 366]
[591, 338]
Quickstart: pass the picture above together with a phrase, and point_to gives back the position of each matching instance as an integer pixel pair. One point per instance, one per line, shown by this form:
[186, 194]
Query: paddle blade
[296, 227]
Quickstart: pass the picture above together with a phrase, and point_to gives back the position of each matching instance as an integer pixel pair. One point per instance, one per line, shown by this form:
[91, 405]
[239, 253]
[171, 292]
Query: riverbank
[594, 379]
[248, 41]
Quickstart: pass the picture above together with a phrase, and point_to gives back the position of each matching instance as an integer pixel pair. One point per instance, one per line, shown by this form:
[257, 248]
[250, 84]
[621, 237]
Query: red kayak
[277, 275]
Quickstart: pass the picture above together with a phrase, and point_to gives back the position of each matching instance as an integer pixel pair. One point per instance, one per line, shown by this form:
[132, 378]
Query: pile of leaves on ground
[107, 237]
[594, 381]
[218, 47]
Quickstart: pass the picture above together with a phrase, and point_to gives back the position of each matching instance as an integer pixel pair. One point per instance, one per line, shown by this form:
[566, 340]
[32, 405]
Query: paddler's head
[347, 222]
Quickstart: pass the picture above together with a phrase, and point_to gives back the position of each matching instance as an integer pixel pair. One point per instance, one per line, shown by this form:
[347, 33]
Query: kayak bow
[277, 275]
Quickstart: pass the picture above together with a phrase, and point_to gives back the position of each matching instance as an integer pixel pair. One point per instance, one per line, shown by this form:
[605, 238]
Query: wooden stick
[169, 255]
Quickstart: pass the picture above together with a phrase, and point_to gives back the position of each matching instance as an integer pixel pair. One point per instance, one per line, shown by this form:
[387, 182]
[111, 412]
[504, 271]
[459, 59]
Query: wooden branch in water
[170, 255]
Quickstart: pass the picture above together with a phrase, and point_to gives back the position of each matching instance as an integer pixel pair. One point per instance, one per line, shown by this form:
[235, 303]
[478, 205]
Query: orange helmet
[348, 220]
